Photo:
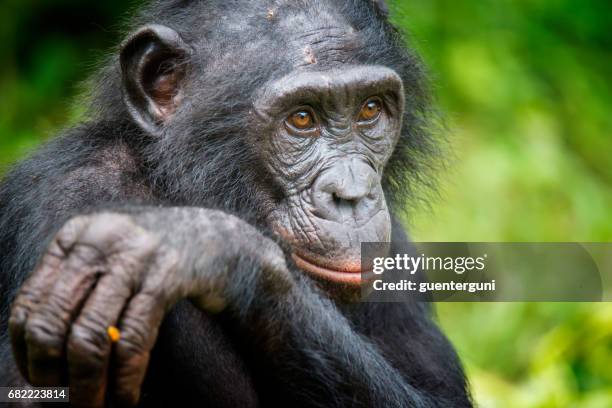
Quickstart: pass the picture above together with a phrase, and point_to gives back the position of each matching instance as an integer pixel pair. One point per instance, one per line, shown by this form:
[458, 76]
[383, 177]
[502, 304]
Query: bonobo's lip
[348, 273]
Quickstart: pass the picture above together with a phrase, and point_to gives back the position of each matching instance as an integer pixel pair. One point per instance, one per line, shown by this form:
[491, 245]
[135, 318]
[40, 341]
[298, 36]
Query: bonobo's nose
[348, 192]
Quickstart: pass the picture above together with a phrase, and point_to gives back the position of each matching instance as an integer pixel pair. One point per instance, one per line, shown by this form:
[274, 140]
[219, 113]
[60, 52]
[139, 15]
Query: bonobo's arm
[294, 333]
[90, 168]
[377, 355]
[313, 352]
[126, 268]
[298, 336]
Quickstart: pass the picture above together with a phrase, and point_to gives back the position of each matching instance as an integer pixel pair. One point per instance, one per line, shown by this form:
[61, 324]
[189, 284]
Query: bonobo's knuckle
[86, 256]
[45, 336]
[76, 223]
[20, 308]
[88, 345]
[110, 228]
[69, 233]
[111, 224]
[139, 244]
[111, 218]
[17, 319]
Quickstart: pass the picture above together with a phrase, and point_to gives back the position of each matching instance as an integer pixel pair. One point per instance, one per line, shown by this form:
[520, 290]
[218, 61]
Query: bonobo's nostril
[336, 198]
[340, 199]
[348, 192]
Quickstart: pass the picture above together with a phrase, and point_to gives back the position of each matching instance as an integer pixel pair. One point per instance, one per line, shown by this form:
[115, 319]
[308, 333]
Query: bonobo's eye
[370, 111]
[302, 120]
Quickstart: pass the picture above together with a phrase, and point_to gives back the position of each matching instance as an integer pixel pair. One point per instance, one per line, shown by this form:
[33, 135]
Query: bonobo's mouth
[348, 272]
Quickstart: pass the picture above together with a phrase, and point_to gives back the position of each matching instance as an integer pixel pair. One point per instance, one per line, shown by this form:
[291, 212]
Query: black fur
[208, 161]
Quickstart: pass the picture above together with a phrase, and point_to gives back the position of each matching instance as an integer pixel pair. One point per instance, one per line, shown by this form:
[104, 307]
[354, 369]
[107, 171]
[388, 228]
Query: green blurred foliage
[526, 85]
[525, 89]
[48, 48]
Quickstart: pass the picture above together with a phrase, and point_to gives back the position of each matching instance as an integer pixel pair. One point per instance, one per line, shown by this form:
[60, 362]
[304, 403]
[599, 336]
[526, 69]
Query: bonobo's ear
[381, 5]
[152, 67]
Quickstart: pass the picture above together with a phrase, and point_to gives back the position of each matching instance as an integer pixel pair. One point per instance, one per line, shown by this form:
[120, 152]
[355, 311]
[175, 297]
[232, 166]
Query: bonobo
[211, 206]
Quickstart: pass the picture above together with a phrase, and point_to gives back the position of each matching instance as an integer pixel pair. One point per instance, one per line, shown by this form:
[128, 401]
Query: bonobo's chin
[330, 251]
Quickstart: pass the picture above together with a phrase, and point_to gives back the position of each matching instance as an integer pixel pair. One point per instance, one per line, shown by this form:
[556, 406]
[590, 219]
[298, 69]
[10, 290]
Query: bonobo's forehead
[323, 46]
[299, 34]
[319, 38]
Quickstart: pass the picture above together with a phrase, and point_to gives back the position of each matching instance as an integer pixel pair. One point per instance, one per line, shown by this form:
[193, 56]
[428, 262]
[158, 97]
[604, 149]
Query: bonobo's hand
[127, 270]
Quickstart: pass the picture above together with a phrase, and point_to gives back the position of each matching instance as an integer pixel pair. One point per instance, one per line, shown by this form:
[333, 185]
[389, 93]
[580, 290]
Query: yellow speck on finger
[114, 334]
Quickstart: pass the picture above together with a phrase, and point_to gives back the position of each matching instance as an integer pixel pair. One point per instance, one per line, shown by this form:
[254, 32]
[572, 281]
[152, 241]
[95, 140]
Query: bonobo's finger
[139, 326]
[140, 323]
[96, 240]
[89, 344]
[48, 324]
[35, 289]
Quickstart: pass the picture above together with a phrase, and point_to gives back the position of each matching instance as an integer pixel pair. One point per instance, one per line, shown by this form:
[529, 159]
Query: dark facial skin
[330, 162]
[239, 154]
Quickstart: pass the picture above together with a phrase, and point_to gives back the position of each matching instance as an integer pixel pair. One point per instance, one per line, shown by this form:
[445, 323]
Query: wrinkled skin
[127, 271]
[127, 219]
[332, 180]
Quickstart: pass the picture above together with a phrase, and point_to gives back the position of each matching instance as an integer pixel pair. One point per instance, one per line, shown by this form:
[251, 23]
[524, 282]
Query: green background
[525, 90]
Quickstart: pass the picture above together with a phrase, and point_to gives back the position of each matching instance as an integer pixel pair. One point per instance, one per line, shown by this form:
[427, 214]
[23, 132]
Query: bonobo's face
[290, 113]
[327, 137]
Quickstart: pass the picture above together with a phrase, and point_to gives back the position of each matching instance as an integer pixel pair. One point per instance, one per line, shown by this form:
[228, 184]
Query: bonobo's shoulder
[73, 171]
